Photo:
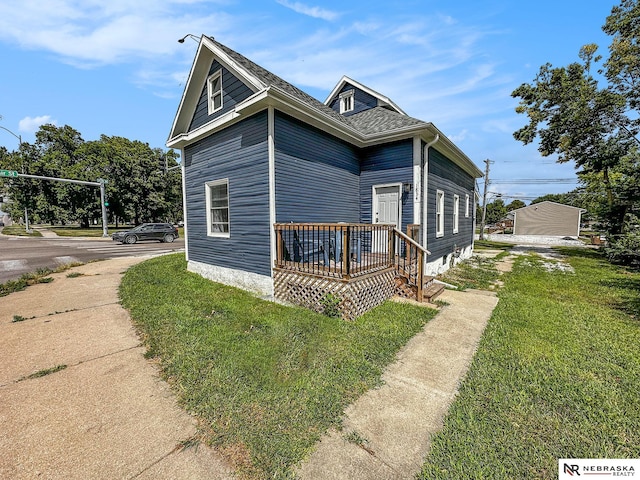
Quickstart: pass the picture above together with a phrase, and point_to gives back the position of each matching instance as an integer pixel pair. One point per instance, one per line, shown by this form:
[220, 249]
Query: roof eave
[291, 105]
[385, 101]
[206, 53]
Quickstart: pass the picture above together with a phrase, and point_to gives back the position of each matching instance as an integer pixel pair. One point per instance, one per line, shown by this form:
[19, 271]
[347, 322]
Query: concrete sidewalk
[394, 423]
[107, 415]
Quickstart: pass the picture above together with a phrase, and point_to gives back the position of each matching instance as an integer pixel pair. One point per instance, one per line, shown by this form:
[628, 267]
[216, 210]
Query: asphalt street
[19, 255]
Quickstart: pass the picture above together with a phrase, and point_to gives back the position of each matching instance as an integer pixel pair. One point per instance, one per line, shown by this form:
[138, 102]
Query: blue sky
[115, 67]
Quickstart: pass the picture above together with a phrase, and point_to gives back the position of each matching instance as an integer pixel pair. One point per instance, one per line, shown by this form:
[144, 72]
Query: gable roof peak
[383, 101]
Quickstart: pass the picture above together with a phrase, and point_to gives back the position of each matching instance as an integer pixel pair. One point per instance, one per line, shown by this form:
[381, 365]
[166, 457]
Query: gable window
[346, 101]
[466, 205]
[214, 91]
[217, 200]
[456, 212]
[439, 213]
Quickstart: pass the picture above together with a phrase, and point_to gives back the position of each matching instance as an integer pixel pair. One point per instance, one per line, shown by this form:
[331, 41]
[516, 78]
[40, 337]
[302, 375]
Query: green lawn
[556, 375]
[19, 230]
[265, 380]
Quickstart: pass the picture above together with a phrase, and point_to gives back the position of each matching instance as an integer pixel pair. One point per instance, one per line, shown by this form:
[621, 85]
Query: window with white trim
[466, 206]
[456, 213]
[439, 213]
[347, 101]
[214, 91]
[217, 200]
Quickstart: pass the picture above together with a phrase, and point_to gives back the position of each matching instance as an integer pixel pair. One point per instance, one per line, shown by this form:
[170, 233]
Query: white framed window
[439, 213]
[214, 91]
[347, 101]
[217, 203]
[456, 213]
[466, 206]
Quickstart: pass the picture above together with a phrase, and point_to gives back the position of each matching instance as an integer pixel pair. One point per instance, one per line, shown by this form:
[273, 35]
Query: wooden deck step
[432, 291]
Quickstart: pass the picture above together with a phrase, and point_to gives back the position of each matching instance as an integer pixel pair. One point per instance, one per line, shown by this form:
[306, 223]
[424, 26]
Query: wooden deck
[360, 265]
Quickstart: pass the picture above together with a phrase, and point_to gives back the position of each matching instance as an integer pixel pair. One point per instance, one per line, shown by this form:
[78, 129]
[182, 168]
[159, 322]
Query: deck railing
[348, 250]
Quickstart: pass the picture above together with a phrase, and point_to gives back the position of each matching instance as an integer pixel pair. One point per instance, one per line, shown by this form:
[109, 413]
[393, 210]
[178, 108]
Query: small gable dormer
[350, 97]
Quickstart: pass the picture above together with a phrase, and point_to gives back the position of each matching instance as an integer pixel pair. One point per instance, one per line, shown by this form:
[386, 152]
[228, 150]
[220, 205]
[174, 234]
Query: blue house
[350, 200]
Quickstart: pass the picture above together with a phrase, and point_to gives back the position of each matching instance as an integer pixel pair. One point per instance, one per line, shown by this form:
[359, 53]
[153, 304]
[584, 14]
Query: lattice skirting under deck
[356, 296]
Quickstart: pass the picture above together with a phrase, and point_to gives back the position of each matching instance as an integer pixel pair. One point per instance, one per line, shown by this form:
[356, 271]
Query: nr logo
[571, 469]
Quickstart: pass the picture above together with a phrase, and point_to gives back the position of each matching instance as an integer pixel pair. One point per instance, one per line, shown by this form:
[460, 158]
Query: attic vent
[346, 101]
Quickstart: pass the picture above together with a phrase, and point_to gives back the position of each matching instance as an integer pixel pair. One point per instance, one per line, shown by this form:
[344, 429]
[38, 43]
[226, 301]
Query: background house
[547, 218]
[276, 181]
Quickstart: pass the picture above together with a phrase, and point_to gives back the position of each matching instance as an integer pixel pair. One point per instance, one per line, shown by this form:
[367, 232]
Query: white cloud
[90, 33]
[315, 12]
[460, 136]
[32, 124]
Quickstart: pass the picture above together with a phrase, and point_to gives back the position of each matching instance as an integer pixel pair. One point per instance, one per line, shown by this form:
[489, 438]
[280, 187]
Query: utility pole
[484, 198]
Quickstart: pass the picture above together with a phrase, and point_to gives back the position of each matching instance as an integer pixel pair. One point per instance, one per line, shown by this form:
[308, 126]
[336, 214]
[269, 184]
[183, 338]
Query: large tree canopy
[138, 189]
[572, 116]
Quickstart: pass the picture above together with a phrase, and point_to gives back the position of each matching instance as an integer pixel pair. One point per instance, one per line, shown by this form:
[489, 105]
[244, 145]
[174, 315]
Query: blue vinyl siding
[388, 163]
[317, 176]
[452, 180]
[234, 91]
[239, 153]
[362, 101]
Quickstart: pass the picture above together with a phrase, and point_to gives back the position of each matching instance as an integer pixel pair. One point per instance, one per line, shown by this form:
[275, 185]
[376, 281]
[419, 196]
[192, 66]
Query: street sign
[8, 173]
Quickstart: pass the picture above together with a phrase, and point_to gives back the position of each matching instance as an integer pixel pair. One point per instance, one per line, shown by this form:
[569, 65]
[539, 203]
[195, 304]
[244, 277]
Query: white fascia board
[183, 139]
[287, 103]
[384, 100]
[453, 152]
[291, 105]
[198, 73]
[207, 52]
[250, 80]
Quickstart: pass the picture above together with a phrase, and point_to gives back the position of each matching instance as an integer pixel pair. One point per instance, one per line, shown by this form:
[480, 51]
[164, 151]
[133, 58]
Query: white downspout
[425, 188]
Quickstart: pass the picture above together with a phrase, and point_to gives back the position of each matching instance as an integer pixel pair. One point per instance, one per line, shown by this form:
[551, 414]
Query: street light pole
[484, 198]
[26, 215]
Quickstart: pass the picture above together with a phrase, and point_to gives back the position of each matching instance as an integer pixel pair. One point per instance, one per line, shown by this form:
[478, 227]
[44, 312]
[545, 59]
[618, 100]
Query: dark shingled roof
[381, 119]
[368, 122]
[271, 79]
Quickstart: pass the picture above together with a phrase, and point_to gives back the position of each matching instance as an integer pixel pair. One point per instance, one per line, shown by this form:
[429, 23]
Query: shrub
[624, 249]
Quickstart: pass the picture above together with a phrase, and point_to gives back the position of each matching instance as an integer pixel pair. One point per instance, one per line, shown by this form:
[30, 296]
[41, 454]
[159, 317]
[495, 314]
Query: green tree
[496, 211]
[137, 188]
[515, 204]
[592, 126]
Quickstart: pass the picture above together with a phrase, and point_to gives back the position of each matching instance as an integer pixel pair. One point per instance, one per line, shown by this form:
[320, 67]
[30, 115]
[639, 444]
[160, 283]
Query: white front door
[386, 209]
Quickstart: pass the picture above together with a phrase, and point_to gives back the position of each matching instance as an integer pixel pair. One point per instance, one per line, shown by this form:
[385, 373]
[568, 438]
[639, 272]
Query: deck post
[391, 235]
[346, 250]
[420, 275]
[279, 243]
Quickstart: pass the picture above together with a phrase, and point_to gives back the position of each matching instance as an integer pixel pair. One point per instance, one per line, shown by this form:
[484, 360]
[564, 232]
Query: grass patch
[556, 375]
[75, 275]
[27, 279]
[491, 245]
[265, 380]
[45, 372]
[18, 318]
[19, 230]
[475, 272]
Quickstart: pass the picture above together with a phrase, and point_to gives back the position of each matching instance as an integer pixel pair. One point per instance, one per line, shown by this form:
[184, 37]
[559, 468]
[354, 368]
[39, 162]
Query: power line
[534, 181]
